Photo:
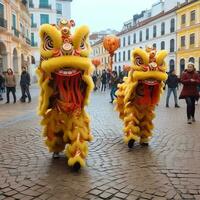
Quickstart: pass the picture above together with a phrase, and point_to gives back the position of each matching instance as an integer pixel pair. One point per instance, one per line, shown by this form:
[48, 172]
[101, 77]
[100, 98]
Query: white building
[156, 27]
[45, 11]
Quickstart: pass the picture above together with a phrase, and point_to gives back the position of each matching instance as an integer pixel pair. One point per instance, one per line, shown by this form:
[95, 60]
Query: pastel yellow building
[99, 52]
[15, 26]
[188, 35]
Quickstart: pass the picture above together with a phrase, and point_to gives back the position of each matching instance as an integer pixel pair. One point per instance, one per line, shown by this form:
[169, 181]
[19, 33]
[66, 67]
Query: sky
[102, 14]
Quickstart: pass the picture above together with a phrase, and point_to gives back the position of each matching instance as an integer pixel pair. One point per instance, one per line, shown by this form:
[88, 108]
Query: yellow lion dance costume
[65, 80]
[140, 92]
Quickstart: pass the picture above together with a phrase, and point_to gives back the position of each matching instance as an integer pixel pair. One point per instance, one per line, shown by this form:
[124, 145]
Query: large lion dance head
[65, 68]
[146, 76]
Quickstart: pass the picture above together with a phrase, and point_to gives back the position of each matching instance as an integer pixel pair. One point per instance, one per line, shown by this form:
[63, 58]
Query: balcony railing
[3, 23]
[34, 44]
[28, 41]
[33, 25]
[45, 6]
[15, 31]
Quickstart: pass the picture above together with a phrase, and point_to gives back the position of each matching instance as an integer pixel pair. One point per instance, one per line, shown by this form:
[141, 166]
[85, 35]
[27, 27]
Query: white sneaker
[189, 121]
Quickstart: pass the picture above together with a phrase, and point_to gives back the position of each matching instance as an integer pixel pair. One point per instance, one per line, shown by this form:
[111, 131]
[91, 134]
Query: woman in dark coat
[190, 80]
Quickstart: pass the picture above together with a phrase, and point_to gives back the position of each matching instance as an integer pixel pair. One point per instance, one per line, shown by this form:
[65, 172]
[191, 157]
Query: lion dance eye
[138, 61]
[82, 46]
[48, 43]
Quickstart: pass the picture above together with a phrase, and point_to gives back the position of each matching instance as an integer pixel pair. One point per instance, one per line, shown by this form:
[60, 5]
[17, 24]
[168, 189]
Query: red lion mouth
[69, 89]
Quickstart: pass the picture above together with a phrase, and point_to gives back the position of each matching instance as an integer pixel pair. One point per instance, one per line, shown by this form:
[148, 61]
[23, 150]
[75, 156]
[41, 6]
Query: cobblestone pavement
[168, 169]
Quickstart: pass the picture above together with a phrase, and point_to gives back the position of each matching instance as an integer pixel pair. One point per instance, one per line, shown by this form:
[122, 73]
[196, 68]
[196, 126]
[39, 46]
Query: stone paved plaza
[168, 169]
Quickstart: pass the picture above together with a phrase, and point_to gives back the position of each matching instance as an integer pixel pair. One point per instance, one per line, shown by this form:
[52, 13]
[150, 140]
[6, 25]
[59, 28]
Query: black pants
[25, 93]
[103, 87]
[8, 90]
[190, 101]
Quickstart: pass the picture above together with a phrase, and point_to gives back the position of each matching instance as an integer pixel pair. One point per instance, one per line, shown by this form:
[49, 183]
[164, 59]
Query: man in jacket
[25, 83]
[172, 83]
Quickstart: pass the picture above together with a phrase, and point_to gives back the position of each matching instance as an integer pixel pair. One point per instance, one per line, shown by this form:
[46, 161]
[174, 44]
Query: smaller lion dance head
[140, 92]
[65, 80]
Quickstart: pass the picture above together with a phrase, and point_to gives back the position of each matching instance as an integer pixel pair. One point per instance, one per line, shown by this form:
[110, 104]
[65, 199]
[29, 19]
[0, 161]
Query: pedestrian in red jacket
[190, 81]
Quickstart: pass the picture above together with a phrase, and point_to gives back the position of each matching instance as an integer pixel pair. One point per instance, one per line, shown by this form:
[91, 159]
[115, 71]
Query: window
[134, 38]
[171, 65]
[14, 21]
[192, 16]
[124, 41]
[154, 31]
[124, 55]
[183, 41]
[32, 39]
[162, 46]
[129, 55]
[115, 57]
[163, 28]
[192, 39]
[119, 56]
[191, 59]
[140, 36]
[44, 3]
[32, 21]
[1, 11]
[129, 40]
[154, 45]
[183, 19]
[147, 34]
[58, 8]
[172, 45]
[44, 19]
[172, 25]
[182, 65]
[119, 69]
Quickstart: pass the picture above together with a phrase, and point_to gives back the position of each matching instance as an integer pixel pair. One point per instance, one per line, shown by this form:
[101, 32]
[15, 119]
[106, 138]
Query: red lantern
[126, 68]
[111, 43]
[96, 62]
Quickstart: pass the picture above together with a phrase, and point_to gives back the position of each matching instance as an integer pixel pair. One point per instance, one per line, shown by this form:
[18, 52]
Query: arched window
[172, 25]
[162, 46]
[172, 45]
[134, 38]
[171, 65]
[191, 59]
[182, 65]
[163, 28]
[154, 45]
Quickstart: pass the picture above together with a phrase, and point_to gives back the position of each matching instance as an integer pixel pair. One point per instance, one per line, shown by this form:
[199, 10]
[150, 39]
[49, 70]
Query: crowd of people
[190, 80]
[108, 80]
[8, 84]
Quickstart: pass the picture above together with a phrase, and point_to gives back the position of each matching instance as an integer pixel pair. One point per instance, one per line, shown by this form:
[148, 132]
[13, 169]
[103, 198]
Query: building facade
[15, 27]
[188, 35]
[45, 11]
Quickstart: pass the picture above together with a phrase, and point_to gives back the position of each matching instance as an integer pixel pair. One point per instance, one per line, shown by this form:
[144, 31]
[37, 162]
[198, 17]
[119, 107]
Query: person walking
[103, 81]
[190, 80]
[114, 82]
[10, 83]
[1, 85]
[25, 83]
[94, 78]
[172, 83]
